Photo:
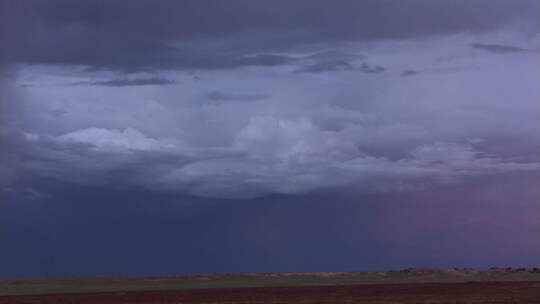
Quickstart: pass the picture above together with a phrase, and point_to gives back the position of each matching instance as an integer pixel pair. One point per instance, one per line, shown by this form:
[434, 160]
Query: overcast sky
[230, 136]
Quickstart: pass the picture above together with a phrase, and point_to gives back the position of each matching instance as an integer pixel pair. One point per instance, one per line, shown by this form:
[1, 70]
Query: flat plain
[420, 285]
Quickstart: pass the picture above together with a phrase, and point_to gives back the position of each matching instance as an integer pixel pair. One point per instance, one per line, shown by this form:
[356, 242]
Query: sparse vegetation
[470, 293]
[250, 280]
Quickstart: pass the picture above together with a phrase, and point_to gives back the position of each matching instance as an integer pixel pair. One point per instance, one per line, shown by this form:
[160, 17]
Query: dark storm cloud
[210, 139]
[11, 141]
[218, 34]
[338, 231]
[377, 167]
[130, 82]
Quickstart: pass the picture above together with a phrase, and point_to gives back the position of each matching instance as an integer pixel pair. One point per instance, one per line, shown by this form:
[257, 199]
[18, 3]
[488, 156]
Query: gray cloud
[268, 156]
[499, 49]
[209, 138]
[330, 61]
[264, 60]
[450, 154]
[409, 73]
[371, 68]
[11, 109]
[130, 82]
[215, 35]
[340, 65]
[327, 66]
[218, 96]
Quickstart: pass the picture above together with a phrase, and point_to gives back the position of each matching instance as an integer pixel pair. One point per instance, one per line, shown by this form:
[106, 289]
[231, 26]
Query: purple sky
[240, 136]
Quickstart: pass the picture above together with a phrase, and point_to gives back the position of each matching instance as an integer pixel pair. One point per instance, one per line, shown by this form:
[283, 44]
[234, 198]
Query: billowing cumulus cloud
[106, 140]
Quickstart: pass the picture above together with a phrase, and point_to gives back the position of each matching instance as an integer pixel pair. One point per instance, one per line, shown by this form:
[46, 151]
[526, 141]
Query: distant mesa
[436, 271]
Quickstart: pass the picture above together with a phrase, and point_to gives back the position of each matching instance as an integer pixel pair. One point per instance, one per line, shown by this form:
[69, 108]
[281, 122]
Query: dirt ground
[473, 292]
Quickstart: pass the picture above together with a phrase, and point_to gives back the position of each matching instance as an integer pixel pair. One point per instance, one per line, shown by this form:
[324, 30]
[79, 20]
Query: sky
[180, 137]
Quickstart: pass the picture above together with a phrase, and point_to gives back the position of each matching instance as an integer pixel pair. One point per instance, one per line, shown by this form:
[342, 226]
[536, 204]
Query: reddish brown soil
[489, 292]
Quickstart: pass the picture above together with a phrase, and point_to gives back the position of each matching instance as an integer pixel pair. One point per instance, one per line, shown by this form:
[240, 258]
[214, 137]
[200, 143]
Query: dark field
[473, 292]
[420, 285]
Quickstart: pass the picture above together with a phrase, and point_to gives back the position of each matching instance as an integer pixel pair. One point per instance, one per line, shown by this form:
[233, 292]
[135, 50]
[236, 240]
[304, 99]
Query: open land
[421, 285]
